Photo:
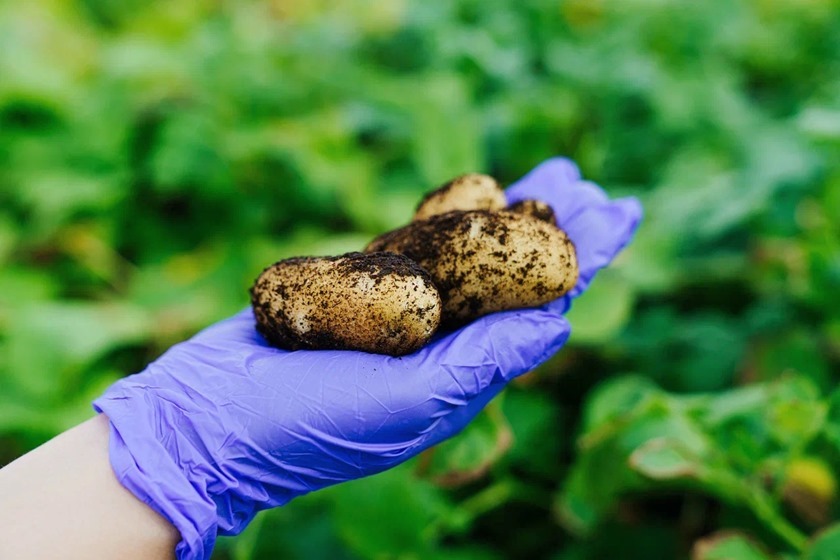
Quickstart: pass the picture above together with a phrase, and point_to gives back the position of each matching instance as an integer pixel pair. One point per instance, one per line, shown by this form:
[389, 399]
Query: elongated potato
[379, 302]
[473, 191]
[482, 261]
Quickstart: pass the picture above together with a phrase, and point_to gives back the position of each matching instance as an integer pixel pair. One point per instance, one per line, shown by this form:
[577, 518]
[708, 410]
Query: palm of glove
[224, 425]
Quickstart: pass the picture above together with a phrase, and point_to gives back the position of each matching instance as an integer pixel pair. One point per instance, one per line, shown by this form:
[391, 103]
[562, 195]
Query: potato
[378, 302]
[483, 261]
[467, 192]
[535, 208]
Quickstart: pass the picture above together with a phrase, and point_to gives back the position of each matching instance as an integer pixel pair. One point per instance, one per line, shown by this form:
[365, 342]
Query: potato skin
[380, 302]
[473, 191]
[536, 208]
[483, 261]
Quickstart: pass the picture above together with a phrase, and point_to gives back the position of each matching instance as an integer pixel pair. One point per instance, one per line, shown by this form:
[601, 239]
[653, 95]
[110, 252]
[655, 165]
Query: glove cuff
[144, 466]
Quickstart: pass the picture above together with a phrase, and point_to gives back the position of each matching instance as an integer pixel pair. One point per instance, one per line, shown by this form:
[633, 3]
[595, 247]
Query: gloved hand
[223, 425]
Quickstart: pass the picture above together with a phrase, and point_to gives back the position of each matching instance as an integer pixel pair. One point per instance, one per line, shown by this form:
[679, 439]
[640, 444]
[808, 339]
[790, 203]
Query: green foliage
[736, 446]
[728, 545]
[154, 156]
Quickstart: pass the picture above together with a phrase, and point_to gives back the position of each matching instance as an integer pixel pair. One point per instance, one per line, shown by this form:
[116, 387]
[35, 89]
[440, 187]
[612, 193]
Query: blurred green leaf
[664, 459]
[154, 157]
[794, 351]
[470, 456]
[613, 400]
[825, 546]
[536, 422]
[444, 118]
[595, 483]
[686, 440]
[25, 285]
[51, 344]
[728, 546]
[409, 504]
[604, 311]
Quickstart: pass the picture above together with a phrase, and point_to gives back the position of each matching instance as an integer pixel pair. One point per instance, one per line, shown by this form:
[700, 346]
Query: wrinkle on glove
[224, 425]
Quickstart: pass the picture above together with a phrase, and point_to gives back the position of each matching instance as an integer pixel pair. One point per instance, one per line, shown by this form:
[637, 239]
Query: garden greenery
[155, 156]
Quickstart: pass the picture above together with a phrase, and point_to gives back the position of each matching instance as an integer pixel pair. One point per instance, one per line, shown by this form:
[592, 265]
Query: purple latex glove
[223, 425]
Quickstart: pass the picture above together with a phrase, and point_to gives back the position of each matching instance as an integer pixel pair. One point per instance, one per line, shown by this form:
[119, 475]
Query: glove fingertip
[626, 217]
[604, 230]
[547, 177]
[633, 210]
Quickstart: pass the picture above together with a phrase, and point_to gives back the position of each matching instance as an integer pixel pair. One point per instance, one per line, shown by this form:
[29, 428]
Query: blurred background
[155, 156]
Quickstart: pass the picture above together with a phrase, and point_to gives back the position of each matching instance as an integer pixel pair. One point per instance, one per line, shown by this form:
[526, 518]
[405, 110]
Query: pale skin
[62, 500]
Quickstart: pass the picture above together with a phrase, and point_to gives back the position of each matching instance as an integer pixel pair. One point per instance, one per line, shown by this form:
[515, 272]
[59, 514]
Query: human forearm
[62, 500]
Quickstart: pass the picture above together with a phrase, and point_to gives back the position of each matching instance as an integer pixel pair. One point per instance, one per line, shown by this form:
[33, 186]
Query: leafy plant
[155, 156]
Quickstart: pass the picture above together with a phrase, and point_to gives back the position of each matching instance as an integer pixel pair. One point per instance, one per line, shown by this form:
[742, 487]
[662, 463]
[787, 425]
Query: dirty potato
[483, 261]
[467, 192]
[378, 302]
[536, 208]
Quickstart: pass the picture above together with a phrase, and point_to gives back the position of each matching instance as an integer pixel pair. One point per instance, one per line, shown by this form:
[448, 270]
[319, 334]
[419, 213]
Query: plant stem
[762, 506]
